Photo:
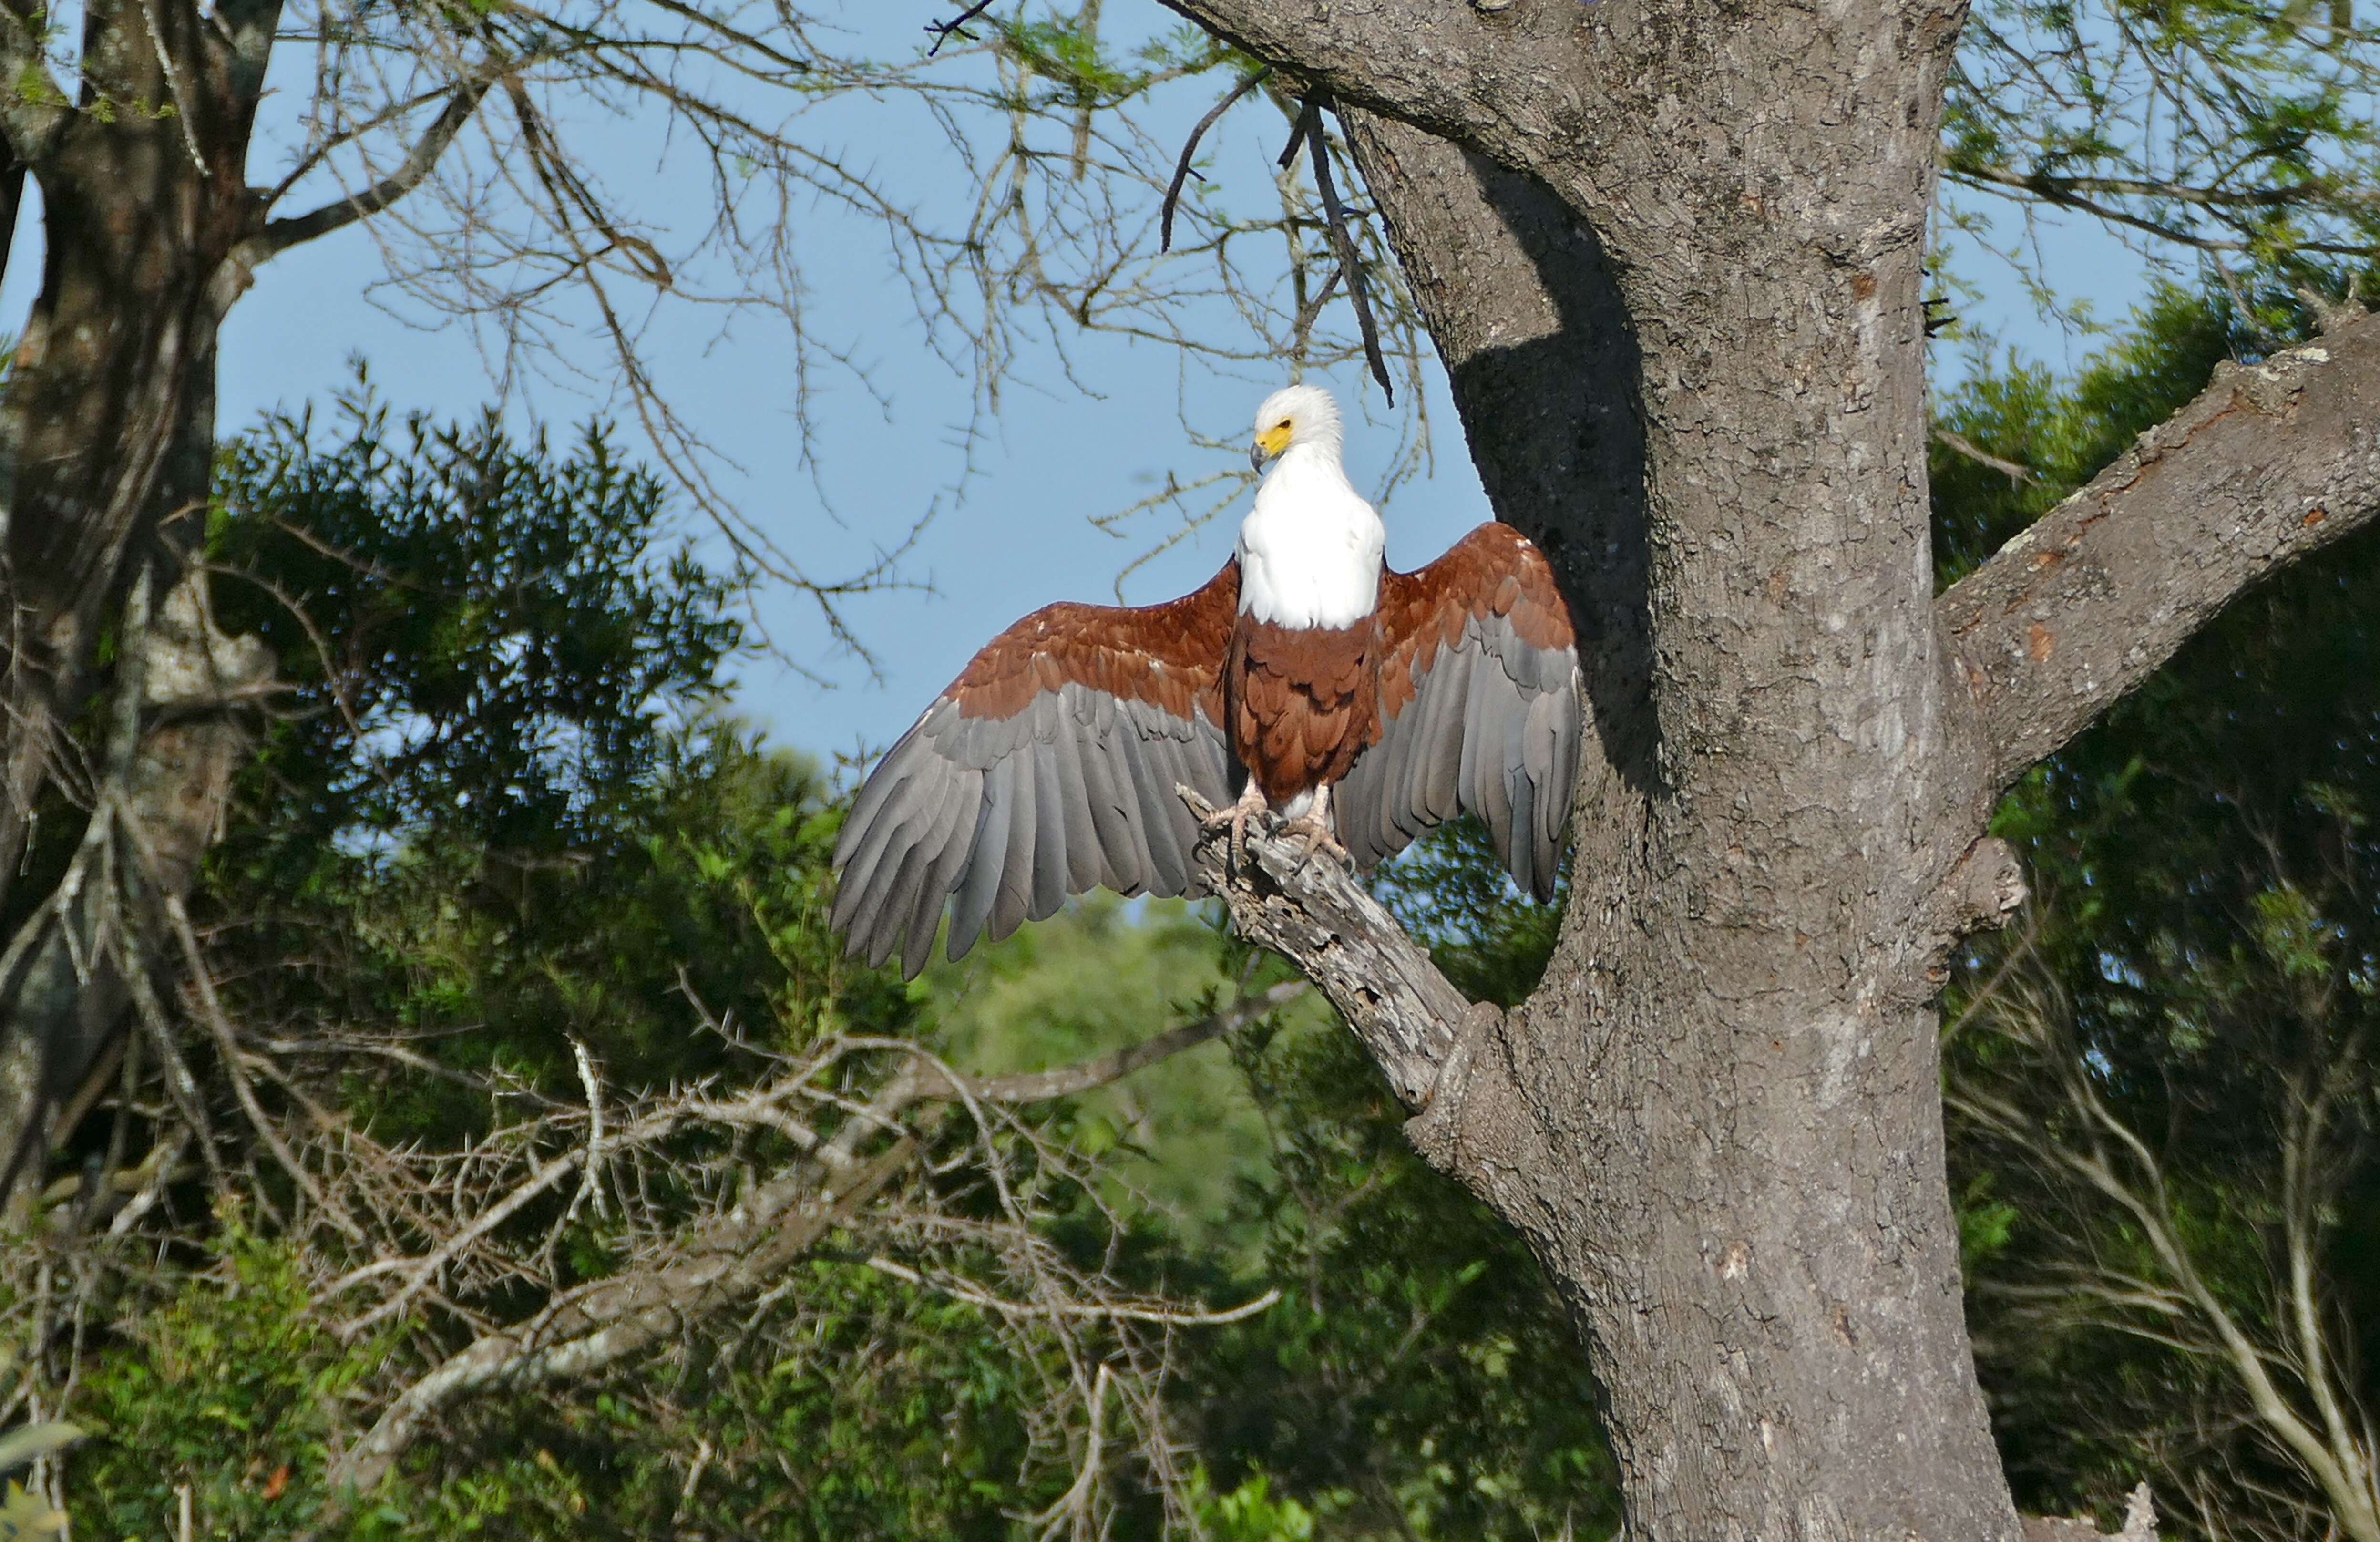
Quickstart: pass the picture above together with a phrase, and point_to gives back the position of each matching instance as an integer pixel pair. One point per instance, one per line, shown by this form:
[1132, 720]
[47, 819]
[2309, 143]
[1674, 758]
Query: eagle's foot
[1313, 828]
[1251, 804]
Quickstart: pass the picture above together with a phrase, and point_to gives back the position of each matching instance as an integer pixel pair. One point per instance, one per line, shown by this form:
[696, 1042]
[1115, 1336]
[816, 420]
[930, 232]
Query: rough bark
[2271, 462]
[180, 722]
[1670, 257]
[150, 234]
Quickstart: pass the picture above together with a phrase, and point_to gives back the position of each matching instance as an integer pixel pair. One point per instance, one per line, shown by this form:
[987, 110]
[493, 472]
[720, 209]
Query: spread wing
[1047, 767]
[1479, 709]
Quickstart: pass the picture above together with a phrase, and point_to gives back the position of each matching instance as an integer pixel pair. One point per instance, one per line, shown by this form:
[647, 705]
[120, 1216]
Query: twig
[945, 30]
[590, 1177]
[1190, 147]
[1172, 1317]
[2017, 472]
[1350, 261]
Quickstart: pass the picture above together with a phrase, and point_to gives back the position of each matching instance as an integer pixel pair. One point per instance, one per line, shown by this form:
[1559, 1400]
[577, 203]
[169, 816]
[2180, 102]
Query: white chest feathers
[1310, 550]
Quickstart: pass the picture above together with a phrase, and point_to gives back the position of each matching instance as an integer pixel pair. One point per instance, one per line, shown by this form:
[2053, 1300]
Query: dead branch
[1351, 261]
[1190, 147]
[1315, 914]
[2017, 472]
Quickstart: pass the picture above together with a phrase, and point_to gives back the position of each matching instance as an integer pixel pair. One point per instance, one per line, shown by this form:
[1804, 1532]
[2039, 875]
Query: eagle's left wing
[1479, 709]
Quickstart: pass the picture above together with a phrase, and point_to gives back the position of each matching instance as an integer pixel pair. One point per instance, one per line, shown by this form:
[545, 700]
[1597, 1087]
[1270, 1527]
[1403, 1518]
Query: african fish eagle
[1365, 704]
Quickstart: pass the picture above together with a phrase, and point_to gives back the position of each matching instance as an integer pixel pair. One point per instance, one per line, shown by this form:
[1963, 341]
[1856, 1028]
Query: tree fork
[1639, 1135]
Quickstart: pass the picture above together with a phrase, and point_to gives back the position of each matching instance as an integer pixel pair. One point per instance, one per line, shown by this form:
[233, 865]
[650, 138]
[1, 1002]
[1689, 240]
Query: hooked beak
[1256, 456]
[1268, 445]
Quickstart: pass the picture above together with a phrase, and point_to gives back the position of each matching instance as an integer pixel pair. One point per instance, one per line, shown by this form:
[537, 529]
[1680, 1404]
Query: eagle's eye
[1281, 427]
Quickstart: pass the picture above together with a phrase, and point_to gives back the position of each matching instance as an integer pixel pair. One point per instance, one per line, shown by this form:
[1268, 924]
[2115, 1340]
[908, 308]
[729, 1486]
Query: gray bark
[1671, 259]
[106, 447]
[2269, 463]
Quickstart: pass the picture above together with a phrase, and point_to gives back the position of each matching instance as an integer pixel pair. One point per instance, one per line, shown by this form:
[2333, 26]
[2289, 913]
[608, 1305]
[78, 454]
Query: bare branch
[280, 234]
[2271, 462]
[955, 28]
[2017, 472]
[1085, 1076]
[1158, 1313]
[1351, 261]
[1315, 915]
[1190, 147]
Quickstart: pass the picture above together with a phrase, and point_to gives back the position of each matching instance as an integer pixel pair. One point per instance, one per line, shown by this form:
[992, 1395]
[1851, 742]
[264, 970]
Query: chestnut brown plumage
[1049, 765]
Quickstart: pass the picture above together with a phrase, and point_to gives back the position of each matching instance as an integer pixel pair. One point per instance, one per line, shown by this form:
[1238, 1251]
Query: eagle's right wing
[1047, 767]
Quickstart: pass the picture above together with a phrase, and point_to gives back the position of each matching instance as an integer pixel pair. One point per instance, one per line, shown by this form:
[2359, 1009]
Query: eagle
[1306, 679]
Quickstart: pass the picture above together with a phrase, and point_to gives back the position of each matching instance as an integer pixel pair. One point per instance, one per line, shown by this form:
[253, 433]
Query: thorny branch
[847, 1149]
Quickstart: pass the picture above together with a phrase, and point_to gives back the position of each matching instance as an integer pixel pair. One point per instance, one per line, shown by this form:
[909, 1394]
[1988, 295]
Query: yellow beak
[1270, 443]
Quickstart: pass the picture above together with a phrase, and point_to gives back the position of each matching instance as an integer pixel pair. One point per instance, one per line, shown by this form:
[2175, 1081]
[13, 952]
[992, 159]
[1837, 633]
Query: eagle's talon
[1251, 804]
[1315, 829]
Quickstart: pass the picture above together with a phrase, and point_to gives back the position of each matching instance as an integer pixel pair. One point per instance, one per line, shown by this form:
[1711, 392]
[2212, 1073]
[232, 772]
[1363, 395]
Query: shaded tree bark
[106, 435]
[151, 233]
[1671, 257]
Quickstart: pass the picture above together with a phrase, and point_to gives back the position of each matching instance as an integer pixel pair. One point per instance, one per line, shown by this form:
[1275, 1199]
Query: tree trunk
[106, 444]
[1726, 1090]
[1688, 350]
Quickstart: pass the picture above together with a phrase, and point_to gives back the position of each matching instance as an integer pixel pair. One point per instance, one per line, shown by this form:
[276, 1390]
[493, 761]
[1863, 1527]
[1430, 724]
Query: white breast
[1310, 549]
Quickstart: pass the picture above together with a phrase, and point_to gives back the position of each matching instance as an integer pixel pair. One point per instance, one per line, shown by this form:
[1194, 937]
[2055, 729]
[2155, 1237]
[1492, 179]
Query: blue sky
[1012, 520]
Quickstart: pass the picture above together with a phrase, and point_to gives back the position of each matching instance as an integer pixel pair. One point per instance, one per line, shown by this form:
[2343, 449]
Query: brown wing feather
[1046, 768]
[1479, 709]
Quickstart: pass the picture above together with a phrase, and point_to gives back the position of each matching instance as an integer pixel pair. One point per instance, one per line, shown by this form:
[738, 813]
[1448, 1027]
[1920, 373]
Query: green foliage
[1418, 1377]
[484, 636]
[1250, 1513]
[2062, 432]
[2198, 958]
[1105, 973]
[230, 1386]
[1491, 939]
[504, 802]
[2238, 131]
[901, 1416]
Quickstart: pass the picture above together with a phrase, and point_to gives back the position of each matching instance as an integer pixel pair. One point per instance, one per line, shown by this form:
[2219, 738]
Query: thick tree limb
[1444, 67]
[280, 234]
[1313, 912]
[2271, 462]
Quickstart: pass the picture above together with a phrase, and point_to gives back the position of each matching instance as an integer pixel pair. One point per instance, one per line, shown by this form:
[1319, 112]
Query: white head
[1294, 415]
